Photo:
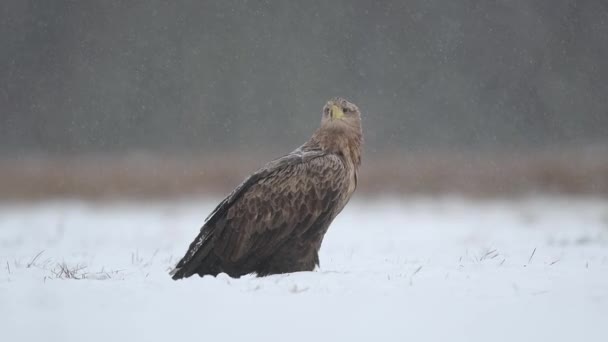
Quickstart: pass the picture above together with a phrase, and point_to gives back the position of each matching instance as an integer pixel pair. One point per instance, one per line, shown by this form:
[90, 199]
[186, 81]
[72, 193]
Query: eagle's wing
[286, 195]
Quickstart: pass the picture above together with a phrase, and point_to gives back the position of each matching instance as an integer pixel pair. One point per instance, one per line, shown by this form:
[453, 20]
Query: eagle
[274, 221]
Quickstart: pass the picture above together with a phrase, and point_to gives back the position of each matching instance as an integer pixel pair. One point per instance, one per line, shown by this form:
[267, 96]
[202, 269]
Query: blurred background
[154, 99]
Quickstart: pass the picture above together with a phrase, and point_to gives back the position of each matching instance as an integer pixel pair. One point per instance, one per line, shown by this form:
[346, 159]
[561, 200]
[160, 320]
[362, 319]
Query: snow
[419, 268]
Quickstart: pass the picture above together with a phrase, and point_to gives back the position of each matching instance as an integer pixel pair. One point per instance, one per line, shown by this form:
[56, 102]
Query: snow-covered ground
[445, 268]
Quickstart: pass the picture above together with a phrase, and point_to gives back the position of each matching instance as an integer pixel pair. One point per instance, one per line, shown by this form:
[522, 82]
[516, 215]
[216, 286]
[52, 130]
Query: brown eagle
[274, 222]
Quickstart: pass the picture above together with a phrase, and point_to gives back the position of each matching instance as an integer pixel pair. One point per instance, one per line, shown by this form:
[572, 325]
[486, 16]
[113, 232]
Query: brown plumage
[274, 222]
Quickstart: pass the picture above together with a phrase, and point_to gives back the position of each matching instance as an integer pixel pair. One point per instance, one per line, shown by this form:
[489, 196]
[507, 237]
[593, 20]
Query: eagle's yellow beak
[336, 112]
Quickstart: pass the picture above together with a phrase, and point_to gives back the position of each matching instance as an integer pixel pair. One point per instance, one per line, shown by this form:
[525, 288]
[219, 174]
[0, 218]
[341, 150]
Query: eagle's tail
[174, 273]
[195, 258]
[180, 272]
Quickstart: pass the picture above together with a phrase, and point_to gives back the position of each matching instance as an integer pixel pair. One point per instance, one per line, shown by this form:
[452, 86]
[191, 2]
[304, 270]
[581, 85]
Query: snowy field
[449, 269]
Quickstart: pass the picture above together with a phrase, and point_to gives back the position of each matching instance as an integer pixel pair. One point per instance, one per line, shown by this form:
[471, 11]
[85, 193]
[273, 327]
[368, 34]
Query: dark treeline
[88, 76]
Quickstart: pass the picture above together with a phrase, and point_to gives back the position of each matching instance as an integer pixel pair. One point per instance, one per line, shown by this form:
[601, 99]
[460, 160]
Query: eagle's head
[340, 129]
[339, 113]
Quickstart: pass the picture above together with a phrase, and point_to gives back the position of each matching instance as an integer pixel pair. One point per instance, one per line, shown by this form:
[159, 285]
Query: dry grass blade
[490, 254]
[78, 272]
[31, 263]
[413, 274]
[532, 255]
[63, 271]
